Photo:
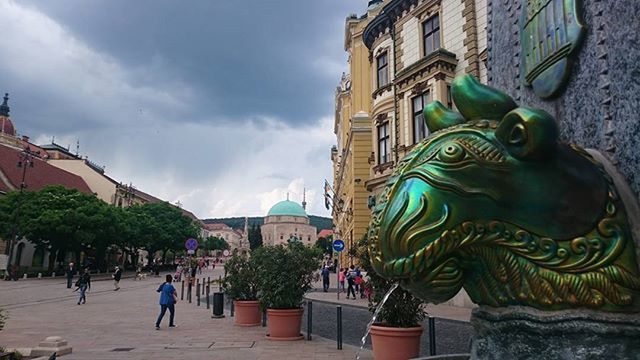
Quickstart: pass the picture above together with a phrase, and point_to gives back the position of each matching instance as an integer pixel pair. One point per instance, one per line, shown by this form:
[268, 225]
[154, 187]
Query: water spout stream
[375, 316]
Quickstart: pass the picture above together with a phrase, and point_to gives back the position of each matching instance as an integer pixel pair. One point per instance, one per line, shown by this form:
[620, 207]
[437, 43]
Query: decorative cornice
[381, 90]
[440, 60]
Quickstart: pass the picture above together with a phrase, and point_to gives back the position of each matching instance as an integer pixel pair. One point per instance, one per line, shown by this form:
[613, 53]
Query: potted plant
[285, 274]
[396, 333]
[240, 285]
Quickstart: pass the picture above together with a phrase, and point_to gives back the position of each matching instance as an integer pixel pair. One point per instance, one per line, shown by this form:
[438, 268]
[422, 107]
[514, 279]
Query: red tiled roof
[38, 176]
[218, 226]
[324, 233]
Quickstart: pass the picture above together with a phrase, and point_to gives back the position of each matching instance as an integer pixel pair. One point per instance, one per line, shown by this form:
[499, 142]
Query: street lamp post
[25, 161]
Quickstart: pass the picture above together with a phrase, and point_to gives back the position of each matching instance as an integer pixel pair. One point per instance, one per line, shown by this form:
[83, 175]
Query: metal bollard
[182, 291]
[339, 325]
[264, 317]
[198, 294]
[432, 335]
[207, 297]
[218, 305]
[309, 318]
[233, 309]
[202, 292]
[189, 288]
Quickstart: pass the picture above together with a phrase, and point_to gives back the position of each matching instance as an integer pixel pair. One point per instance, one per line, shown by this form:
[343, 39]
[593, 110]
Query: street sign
[191, 244]
[226, 253]
[338, 245]
[191, 252]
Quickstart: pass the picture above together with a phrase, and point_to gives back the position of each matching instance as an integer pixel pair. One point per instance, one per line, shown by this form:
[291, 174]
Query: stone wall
[600, 106]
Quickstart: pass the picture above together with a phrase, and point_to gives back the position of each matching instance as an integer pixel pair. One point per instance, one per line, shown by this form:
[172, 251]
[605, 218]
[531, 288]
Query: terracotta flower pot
[247, 313]
[390, 343]
[284, 324]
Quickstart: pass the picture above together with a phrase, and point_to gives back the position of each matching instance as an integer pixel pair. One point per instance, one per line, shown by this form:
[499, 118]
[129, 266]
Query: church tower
[6, 126]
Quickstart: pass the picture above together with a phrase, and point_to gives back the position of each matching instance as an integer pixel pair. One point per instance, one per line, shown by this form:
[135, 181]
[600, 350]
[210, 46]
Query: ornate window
[431, 34]
[419, 128]
[382, 62]
[384, 145]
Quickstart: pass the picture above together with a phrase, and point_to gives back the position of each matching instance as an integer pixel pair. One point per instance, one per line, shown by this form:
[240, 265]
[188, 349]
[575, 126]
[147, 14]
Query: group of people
[168, 294]
[355, 281]
[83, 284]
[190, 270]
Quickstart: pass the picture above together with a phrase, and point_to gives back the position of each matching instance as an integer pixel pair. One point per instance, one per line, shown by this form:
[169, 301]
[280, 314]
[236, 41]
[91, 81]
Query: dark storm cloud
[226, 106]
[240, 58]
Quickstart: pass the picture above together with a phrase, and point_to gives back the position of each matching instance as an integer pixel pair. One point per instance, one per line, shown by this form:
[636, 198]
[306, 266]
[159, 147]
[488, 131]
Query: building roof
[287, 208]
[324, 233]
[37, 177]
[6, 126]
[217, 226]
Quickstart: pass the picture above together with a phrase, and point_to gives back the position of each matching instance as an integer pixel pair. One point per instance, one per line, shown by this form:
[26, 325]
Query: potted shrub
[285, 274]
[396, 333]
[240, 285]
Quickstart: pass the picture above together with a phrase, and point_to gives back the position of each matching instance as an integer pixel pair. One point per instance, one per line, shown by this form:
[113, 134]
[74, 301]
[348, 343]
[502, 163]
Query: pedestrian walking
[117, 275]
[83, 284]
[70, 271]
[341, 277]
[168, 298]
[360, 286]
[325, 278]
[351, 280]
[357, 282]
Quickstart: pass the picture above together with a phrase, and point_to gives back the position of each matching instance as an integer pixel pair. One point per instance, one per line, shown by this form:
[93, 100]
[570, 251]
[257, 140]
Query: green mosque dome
[287, 208]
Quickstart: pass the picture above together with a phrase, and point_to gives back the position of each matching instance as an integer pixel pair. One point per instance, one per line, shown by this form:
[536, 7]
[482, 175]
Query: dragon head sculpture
[492, 202]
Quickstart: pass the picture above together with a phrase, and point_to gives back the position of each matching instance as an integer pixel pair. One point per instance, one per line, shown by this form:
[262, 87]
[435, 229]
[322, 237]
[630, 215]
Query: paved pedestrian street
[114, 323]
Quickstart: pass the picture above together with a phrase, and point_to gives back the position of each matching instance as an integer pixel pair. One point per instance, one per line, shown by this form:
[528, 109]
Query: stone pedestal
[525, 333]
[50, 345]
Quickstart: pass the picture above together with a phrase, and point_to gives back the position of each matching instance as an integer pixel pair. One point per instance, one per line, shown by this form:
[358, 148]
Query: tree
[212, 243]
[62, 220]
[255, 237]
[161, 227]
[326, 244]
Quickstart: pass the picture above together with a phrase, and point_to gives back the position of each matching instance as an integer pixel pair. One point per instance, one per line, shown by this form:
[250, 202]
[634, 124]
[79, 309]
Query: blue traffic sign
[191, 244]
[338, 245]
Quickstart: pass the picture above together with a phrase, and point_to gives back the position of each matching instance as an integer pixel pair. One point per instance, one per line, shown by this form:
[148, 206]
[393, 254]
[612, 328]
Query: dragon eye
[451, 152]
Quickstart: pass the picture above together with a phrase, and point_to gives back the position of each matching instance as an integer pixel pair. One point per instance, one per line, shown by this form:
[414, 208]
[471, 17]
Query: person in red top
[341, 279]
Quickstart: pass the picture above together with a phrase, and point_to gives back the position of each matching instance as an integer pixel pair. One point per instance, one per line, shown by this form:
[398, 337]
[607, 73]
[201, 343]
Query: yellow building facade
[402, 55]
[352, 128]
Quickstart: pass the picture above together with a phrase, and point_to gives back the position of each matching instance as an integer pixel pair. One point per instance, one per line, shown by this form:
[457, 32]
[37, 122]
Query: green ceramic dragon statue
[492, 202]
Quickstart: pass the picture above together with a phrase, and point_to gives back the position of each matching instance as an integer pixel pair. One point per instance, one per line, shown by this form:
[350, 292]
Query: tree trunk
[52, 260]
[76, 256]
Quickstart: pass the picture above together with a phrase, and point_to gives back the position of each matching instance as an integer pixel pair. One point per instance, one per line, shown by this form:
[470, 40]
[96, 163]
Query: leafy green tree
[255, 237]
[212, 243]
[326, 244]
[161, 227]
[62, 220]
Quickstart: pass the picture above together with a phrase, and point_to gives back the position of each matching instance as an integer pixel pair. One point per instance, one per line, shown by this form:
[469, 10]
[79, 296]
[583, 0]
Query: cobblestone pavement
[120, 325]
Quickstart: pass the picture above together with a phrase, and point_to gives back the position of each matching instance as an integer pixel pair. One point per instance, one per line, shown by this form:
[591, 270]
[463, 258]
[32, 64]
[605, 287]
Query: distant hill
[319, 222]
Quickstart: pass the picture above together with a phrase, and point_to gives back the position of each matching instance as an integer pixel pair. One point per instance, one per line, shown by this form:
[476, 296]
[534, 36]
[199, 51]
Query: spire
[4, 108]
[304, 198]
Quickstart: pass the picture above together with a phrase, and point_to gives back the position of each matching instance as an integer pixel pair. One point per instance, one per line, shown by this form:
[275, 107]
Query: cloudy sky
[223, 105]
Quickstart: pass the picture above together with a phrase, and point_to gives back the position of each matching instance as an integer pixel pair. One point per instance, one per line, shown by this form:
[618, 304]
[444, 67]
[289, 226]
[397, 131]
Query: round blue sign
[191, 244]
[338, 245]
